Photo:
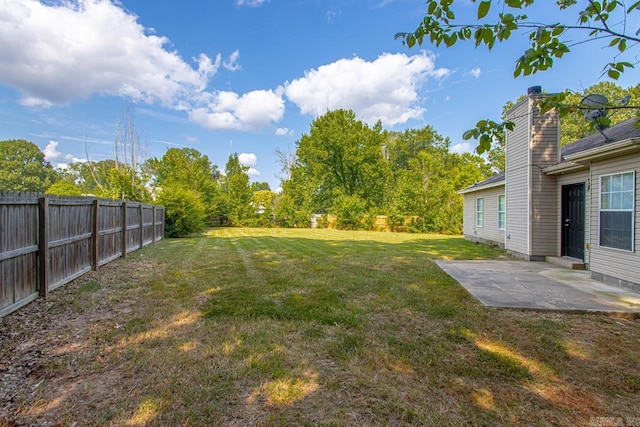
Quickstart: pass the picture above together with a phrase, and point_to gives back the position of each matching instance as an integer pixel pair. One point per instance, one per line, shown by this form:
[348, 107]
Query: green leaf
[614, 74]
[636, 5]
[483, 8]
[622, 46]
[432, 7]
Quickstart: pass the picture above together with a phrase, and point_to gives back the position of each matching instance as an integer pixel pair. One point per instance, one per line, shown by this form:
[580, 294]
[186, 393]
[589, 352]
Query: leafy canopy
[596, 20]
[23, 167]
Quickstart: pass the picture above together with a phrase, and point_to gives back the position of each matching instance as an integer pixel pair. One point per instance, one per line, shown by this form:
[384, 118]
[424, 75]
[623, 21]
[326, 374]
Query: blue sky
[248, 76]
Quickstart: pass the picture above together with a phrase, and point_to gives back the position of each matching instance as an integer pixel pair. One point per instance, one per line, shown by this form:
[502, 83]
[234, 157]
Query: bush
[349, 210]
[64, 188]
[185, 214]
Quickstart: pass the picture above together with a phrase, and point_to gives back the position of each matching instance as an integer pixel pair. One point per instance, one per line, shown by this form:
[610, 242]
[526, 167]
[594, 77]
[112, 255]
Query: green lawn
[323, 327]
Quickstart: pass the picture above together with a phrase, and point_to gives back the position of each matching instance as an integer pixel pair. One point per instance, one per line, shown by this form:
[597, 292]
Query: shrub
[64, 188]
[349, 210]
[184, 212]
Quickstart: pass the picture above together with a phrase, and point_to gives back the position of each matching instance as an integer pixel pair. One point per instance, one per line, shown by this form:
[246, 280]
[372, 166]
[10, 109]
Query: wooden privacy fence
[46, 242]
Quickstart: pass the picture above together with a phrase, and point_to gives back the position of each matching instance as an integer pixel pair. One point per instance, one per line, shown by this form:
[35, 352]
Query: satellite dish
[594, 106]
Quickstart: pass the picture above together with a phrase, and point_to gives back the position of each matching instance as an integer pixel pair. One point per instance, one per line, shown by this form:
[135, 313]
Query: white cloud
[385, 89]
[50, 152]
[53, 156]
[284, 131]
[462, 147]
[231, 64]
[253, 172]
[247, 159]
[230, 111]
[475, 72]
[251, 3]
[56, 53]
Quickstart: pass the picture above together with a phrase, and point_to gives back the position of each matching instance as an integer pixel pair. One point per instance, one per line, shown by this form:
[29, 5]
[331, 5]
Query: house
[578, 202]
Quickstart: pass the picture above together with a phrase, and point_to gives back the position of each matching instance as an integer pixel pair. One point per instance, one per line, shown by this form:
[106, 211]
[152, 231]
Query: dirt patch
[50, 359]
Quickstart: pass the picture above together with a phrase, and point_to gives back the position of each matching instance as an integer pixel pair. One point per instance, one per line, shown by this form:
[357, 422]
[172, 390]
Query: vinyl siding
[489, 232]
[574, 178]
[545, 139]
[615, 263]
[517, 180]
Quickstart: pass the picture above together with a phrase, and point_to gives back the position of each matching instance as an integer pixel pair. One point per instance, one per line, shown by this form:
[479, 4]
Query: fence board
[46, 242]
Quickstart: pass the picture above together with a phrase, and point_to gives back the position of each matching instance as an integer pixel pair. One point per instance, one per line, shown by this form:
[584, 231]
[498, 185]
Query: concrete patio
[540, 286]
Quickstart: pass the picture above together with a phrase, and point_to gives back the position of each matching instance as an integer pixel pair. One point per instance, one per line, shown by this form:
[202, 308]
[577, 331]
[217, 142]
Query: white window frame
[502, 219]
[632, 211]
[480, 212]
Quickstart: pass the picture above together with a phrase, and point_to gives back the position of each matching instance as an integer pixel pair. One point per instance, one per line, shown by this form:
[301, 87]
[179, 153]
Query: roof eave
[481, 187]
[613, 149]
[562, 168]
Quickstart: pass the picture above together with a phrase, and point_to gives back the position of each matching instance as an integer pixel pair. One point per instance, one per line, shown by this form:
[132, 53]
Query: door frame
[563, 216]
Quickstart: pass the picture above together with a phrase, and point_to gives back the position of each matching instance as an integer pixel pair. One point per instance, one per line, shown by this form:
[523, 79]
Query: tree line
[341, 167]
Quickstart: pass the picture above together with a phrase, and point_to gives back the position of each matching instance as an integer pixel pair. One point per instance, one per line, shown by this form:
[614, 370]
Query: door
[573, 221]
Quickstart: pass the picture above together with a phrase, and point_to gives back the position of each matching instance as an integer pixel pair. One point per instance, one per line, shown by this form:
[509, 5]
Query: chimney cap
[534, 90]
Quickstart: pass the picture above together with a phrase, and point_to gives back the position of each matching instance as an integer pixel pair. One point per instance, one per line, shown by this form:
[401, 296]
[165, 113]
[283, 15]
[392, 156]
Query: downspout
[589, 211]
[529, 167]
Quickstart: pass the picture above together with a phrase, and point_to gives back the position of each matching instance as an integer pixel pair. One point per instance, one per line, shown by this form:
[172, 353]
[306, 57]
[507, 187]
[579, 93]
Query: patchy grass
[308, 327]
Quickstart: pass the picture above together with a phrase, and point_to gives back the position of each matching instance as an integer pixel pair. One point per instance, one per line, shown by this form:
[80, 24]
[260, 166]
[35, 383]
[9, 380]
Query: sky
[250, 76]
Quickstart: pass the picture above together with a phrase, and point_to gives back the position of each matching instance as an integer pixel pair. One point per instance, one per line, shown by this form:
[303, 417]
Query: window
[480, 212]
[616, 210]
[502, 212]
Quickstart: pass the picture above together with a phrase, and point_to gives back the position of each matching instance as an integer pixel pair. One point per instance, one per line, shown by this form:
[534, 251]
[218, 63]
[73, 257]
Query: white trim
[504, 212]
[478, 224]
[632, 210]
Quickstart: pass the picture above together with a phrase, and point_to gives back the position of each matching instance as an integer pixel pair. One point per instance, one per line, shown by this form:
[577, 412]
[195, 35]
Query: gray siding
[489, 232]
[517, 180]
[614, 263]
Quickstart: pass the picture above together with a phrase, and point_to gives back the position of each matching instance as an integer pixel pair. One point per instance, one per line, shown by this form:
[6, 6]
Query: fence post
[153, 224]
[124, 229]
[43, 245]
[141, 226]
[94, 238]
[164, 213]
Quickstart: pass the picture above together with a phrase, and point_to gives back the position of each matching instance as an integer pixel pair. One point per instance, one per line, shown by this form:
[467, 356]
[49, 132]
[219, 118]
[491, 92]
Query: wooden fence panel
[134, 232]
[158, 223]
[18, 252]
[46, 242]
[70, 231]
[109, 231]
[148, 230]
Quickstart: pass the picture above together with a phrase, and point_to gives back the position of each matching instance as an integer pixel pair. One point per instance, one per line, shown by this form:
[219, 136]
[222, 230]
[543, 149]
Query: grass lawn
[309, 327]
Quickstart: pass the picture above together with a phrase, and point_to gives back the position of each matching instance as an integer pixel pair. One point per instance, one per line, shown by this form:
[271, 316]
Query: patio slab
[540, 286]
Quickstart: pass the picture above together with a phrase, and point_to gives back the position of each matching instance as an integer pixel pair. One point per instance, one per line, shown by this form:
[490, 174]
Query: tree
[573, 125]
[187, 168]
[260, 186]
[237, 192]
[185, 213]
[598, 20]
[23, 167]
[263, 203]
[341, 156]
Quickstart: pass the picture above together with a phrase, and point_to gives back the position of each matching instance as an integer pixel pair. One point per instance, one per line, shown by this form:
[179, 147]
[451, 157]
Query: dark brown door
[573, 221]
